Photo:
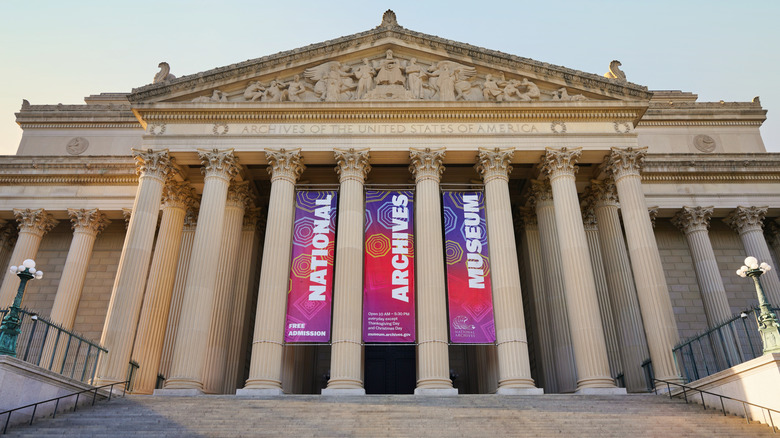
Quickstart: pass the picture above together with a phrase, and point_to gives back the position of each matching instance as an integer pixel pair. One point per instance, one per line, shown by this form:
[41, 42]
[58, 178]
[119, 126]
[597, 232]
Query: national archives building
[390, 212]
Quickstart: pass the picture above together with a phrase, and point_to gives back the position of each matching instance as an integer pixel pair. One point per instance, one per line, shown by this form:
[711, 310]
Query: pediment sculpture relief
[392, 78]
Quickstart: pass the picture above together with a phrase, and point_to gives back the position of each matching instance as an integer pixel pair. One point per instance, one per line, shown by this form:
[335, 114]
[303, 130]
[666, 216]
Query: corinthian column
[694, 222]
[128, 292]
[749, 223]
[620, 284]
[542, 201]
[189, 353]
[652, 291]
[433, 365]
[587, 334]
[177, 198]
[265, 369]
[347, 351]
[33, 224]
[216, 352]
[514, 368]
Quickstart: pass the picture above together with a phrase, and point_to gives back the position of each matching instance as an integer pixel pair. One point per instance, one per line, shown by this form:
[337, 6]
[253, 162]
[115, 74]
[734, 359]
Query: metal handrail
[722, 405]
[94, 392]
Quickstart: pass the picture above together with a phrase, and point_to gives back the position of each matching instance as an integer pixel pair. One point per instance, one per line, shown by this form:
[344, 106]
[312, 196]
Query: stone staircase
[395, 416]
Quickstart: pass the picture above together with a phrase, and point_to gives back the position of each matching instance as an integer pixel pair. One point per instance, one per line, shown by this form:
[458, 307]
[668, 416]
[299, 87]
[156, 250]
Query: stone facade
[354, 113]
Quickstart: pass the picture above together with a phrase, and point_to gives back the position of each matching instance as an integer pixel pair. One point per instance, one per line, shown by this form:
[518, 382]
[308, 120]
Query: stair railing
[56, 401]
[686, 389]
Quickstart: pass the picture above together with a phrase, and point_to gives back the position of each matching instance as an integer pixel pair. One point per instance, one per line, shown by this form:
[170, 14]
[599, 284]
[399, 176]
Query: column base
[601, 391]
[520, 391]
[343, 391]
[258, 392]
[189, 392]
[436, 391]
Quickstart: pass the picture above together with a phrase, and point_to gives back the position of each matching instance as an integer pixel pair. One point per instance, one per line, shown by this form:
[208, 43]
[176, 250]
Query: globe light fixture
[11, 325]
[768, 325]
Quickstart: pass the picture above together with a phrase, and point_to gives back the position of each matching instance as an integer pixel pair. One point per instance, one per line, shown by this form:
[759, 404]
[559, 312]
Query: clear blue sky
[58, 52]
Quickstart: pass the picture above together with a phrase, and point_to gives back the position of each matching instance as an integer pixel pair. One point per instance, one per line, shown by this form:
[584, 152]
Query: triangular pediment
[388, 63]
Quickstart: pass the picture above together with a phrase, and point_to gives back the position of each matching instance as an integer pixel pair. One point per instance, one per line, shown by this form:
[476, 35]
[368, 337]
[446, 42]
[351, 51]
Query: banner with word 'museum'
[311, 272]
[469, 295]
[388, 291]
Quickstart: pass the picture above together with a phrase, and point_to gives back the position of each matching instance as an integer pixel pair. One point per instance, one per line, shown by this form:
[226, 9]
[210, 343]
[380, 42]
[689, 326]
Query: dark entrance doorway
[390, 370]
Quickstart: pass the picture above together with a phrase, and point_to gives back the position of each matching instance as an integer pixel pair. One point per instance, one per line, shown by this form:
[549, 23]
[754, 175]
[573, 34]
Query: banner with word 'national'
[469, 296]
[310, 293]
[388, 290]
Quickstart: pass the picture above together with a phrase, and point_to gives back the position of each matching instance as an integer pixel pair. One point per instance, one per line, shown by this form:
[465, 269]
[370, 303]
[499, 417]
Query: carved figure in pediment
[444, 76]
[273, 93]
[216, 96]
[463, 85]
[164, 74]
[530, 91]
[331, 79]
[491, 89]
[563, 94]
[390, 71]
[365, 76]
[254, 91]
[414, 77]
[295, 89]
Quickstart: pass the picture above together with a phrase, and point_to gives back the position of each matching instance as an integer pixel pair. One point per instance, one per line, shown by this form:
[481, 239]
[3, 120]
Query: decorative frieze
[624, 162]
[284, 164]
[745, 219]
[426, 163]
[494, 163]
[91, 221]
[352, 164]
[691, 219]
[219, 163]
[36, 221]
[560, 162]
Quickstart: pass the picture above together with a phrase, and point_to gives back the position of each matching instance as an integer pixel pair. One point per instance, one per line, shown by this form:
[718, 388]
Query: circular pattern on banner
[301, 266]
[450, 219]
[303, 231]
[377, 245]
[454, 252]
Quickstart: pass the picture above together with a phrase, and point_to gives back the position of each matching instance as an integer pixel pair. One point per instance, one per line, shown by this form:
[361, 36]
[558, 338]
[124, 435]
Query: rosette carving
[155, 164]
[624, 162]
[286, 165]
[560, 162]
[219, 163]
[352, 164]
[744, 219]
[426, 163]
[91, 221]
[494, 163]
[690, 219]
[36, 221]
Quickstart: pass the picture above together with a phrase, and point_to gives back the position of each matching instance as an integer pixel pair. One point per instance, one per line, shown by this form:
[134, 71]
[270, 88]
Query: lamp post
[767, 320]
[11, 326]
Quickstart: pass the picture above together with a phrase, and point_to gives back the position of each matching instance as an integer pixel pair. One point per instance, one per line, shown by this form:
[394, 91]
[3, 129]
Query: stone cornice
[710, 168]
[76, 116]
[63, 170]
[395, 35]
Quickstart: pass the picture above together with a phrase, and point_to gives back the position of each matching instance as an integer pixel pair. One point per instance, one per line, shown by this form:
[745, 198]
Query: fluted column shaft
[749, 222]
[620, 284]
[221, 315]
[433, 367]
[587, 333]
[128, 292]
[159, 287]
[33, 224]
[346, 356]
[652, 291]
[514, 367]
[190, 348]
[266, 363]
[555, 299]
[185, 250]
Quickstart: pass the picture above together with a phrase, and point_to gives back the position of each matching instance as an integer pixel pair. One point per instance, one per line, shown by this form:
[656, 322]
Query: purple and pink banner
[388, 291]
[469, 295]
[310, 294]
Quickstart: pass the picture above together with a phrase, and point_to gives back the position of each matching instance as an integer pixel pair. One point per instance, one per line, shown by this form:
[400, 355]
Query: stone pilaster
[620, 284]
[749, 223]
[590, 349]
[147, 349]
[190, 348]
[33, 224]
[124, 308]
[535, 268]
[219, 329]
[605, 307]
[8, 235]
[542, 202]
[652, 291]
[346, 357]
[433, 368]
[266, 363]
[694, 223]
[513, 364]
[185, 250]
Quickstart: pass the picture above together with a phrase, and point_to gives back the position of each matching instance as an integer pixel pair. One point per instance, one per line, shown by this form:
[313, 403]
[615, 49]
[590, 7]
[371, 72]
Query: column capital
[653, 212]
[745, 219]
[540, 192]
[252, 219]
[88, 221]
[190, 219]
[426, 163]
[587, 205]
[690, 219]
[36, 221]
[771, 231]
[178, 195]
[560, 162]
[155, 164]
[494, 163]
[604, 193]
[285, 165]
[526, 217]
[239, 195]
[624, 162]
[8, 234]
[127, 213]
[219, 163]
[352, 164]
